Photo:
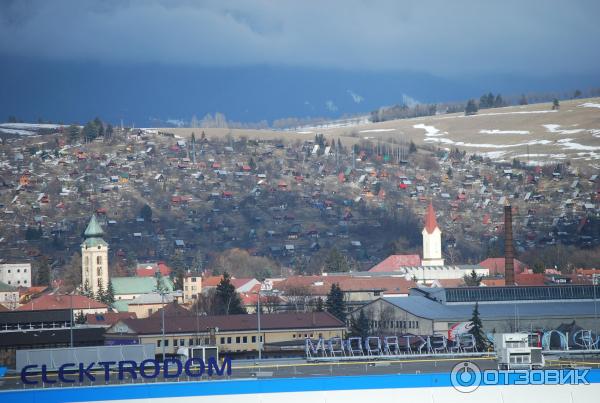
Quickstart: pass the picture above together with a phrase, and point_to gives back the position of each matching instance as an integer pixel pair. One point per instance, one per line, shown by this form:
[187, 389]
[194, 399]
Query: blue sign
[147, 369]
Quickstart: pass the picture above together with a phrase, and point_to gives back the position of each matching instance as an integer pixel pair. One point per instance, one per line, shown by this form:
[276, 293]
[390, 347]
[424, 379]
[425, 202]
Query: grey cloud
[441, 36]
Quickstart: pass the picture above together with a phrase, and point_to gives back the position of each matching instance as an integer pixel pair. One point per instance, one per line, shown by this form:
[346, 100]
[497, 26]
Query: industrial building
[281, 334]
[428, 311]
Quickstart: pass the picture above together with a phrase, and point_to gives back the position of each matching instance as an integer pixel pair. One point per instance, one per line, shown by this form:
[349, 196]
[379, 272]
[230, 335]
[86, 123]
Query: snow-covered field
[495, 131]
[430, 131]
[25, 129]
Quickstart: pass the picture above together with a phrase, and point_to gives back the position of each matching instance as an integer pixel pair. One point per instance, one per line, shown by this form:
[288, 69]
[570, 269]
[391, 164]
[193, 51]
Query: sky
[441, 38]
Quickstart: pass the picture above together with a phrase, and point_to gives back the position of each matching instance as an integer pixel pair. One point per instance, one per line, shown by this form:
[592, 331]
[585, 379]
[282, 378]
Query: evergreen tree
[523, 100]
[43, 273]
[359, 327]
[146, 212]
[498, 102]
[109, 131]
[80, 318]
[319, 307]
[576, 94]
[335, 302]
[555, 104]
[90, 131]
[86, 291]
[412, 148]
[476, 330]
[336, 262]
[178, 283]
[472, 280]
[101, 294]
[471, 108]
[109, 296]
[227, 300]
[74, 132]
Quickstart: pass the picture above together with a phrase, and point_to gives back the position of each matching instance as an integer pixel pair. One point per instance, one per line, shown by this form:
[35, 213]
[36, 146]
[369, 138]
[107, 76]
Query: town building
[9, 296]
[432, 240]
[94, 258]
[16, 274]
[192, 287]
[428, 311]
[282, 334]
[48, 328]
[79, 304]
[128, 289]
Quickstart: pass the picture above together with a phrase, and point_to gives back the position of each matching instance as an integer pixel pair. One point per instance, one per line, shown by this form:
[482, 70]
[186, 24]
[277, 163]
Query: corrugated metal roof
[428, 309]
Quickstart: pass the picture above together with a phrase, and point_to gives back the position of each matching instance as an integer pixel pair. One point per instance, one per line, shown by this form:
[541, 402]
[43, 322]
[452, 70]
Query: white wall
[16, 274]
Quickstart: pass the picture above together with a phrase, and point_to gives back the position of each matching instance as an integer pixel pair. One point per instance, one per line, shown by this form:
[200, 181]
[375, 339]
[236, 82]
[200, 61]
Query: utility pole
[258, 316]
[71, 329]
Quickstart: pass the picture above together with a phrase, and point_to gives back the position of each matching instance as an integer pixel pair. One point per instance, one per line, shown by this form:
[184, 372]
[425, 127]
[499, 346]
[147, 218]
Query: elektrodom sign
[148, 369]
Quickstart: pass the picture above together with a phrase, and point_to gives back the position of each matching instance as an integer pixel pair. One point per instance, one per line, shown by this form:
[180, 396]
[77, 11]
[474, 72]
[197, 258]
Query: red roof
[496, 265]
[530, 279]
[321, 285]
[108, 318]
[58, 301]
[430, 221]
[150, 269]
[395, 262]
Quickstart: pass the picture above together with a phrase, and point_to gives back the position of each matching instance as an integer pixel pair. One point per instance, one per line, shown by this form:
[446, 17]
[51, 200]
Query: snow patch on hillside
[553, 128]
[430, 131]
[495, 131]
[590, 105]
[377, 130]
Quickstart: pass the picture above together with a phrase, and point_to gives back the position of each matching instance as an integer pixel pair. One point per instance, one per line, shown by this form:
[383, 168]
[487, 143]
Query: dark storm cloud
[442, 37]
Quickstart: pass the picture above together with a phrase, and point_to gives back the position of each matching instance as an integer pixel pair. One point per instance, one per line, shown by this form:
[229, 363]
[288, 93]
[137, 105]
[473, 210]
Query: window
[98, 259]
[253, 339]
[222, 340]
[376, 293]
[237, 339]
[182, 342]
[175, 342]
[99, 270]
[158, 343]
[294, 336]
[245, 339]
[191, 342]
[194, 278]
[167, 343]
[229, 340]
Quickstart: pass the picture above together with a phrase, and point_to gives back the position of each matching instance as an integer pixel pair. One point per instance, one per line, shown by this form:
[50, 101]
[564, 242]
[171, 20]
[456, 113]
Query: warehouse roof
[428, 309]
[276, 321]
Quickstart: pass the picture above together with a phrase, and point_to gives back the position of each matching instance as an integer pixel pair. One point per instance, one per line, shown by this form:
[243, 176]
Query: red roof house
[395, 262]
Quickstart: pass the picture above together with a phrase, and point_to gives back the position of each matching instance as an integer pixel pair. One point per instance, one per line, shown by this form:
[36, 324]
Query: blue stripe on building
[234, 387]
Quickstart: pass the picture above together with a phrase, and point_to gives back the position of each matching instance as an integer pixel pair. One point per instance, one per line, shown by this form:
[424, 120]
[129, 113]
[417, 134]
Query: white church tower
[432, 240]
[94, 258]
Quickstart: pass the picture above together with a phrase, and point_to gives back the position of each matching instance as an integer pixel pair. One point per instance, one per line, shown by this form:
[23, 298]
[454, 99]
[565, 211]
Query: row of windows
[181, 342]
[239, 339]
[98, 260]
[394, 324]
[18, 271]
[18, 282]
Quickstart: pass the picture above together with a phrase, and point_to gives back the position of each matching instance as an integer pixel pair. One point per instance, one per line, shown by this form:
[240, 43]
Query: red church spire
[430, 221]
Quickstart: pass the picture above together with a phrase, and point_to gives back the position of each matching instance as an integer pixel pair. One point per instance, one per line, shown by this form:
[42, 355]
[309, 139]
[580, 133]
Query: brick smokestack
[509, 255]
